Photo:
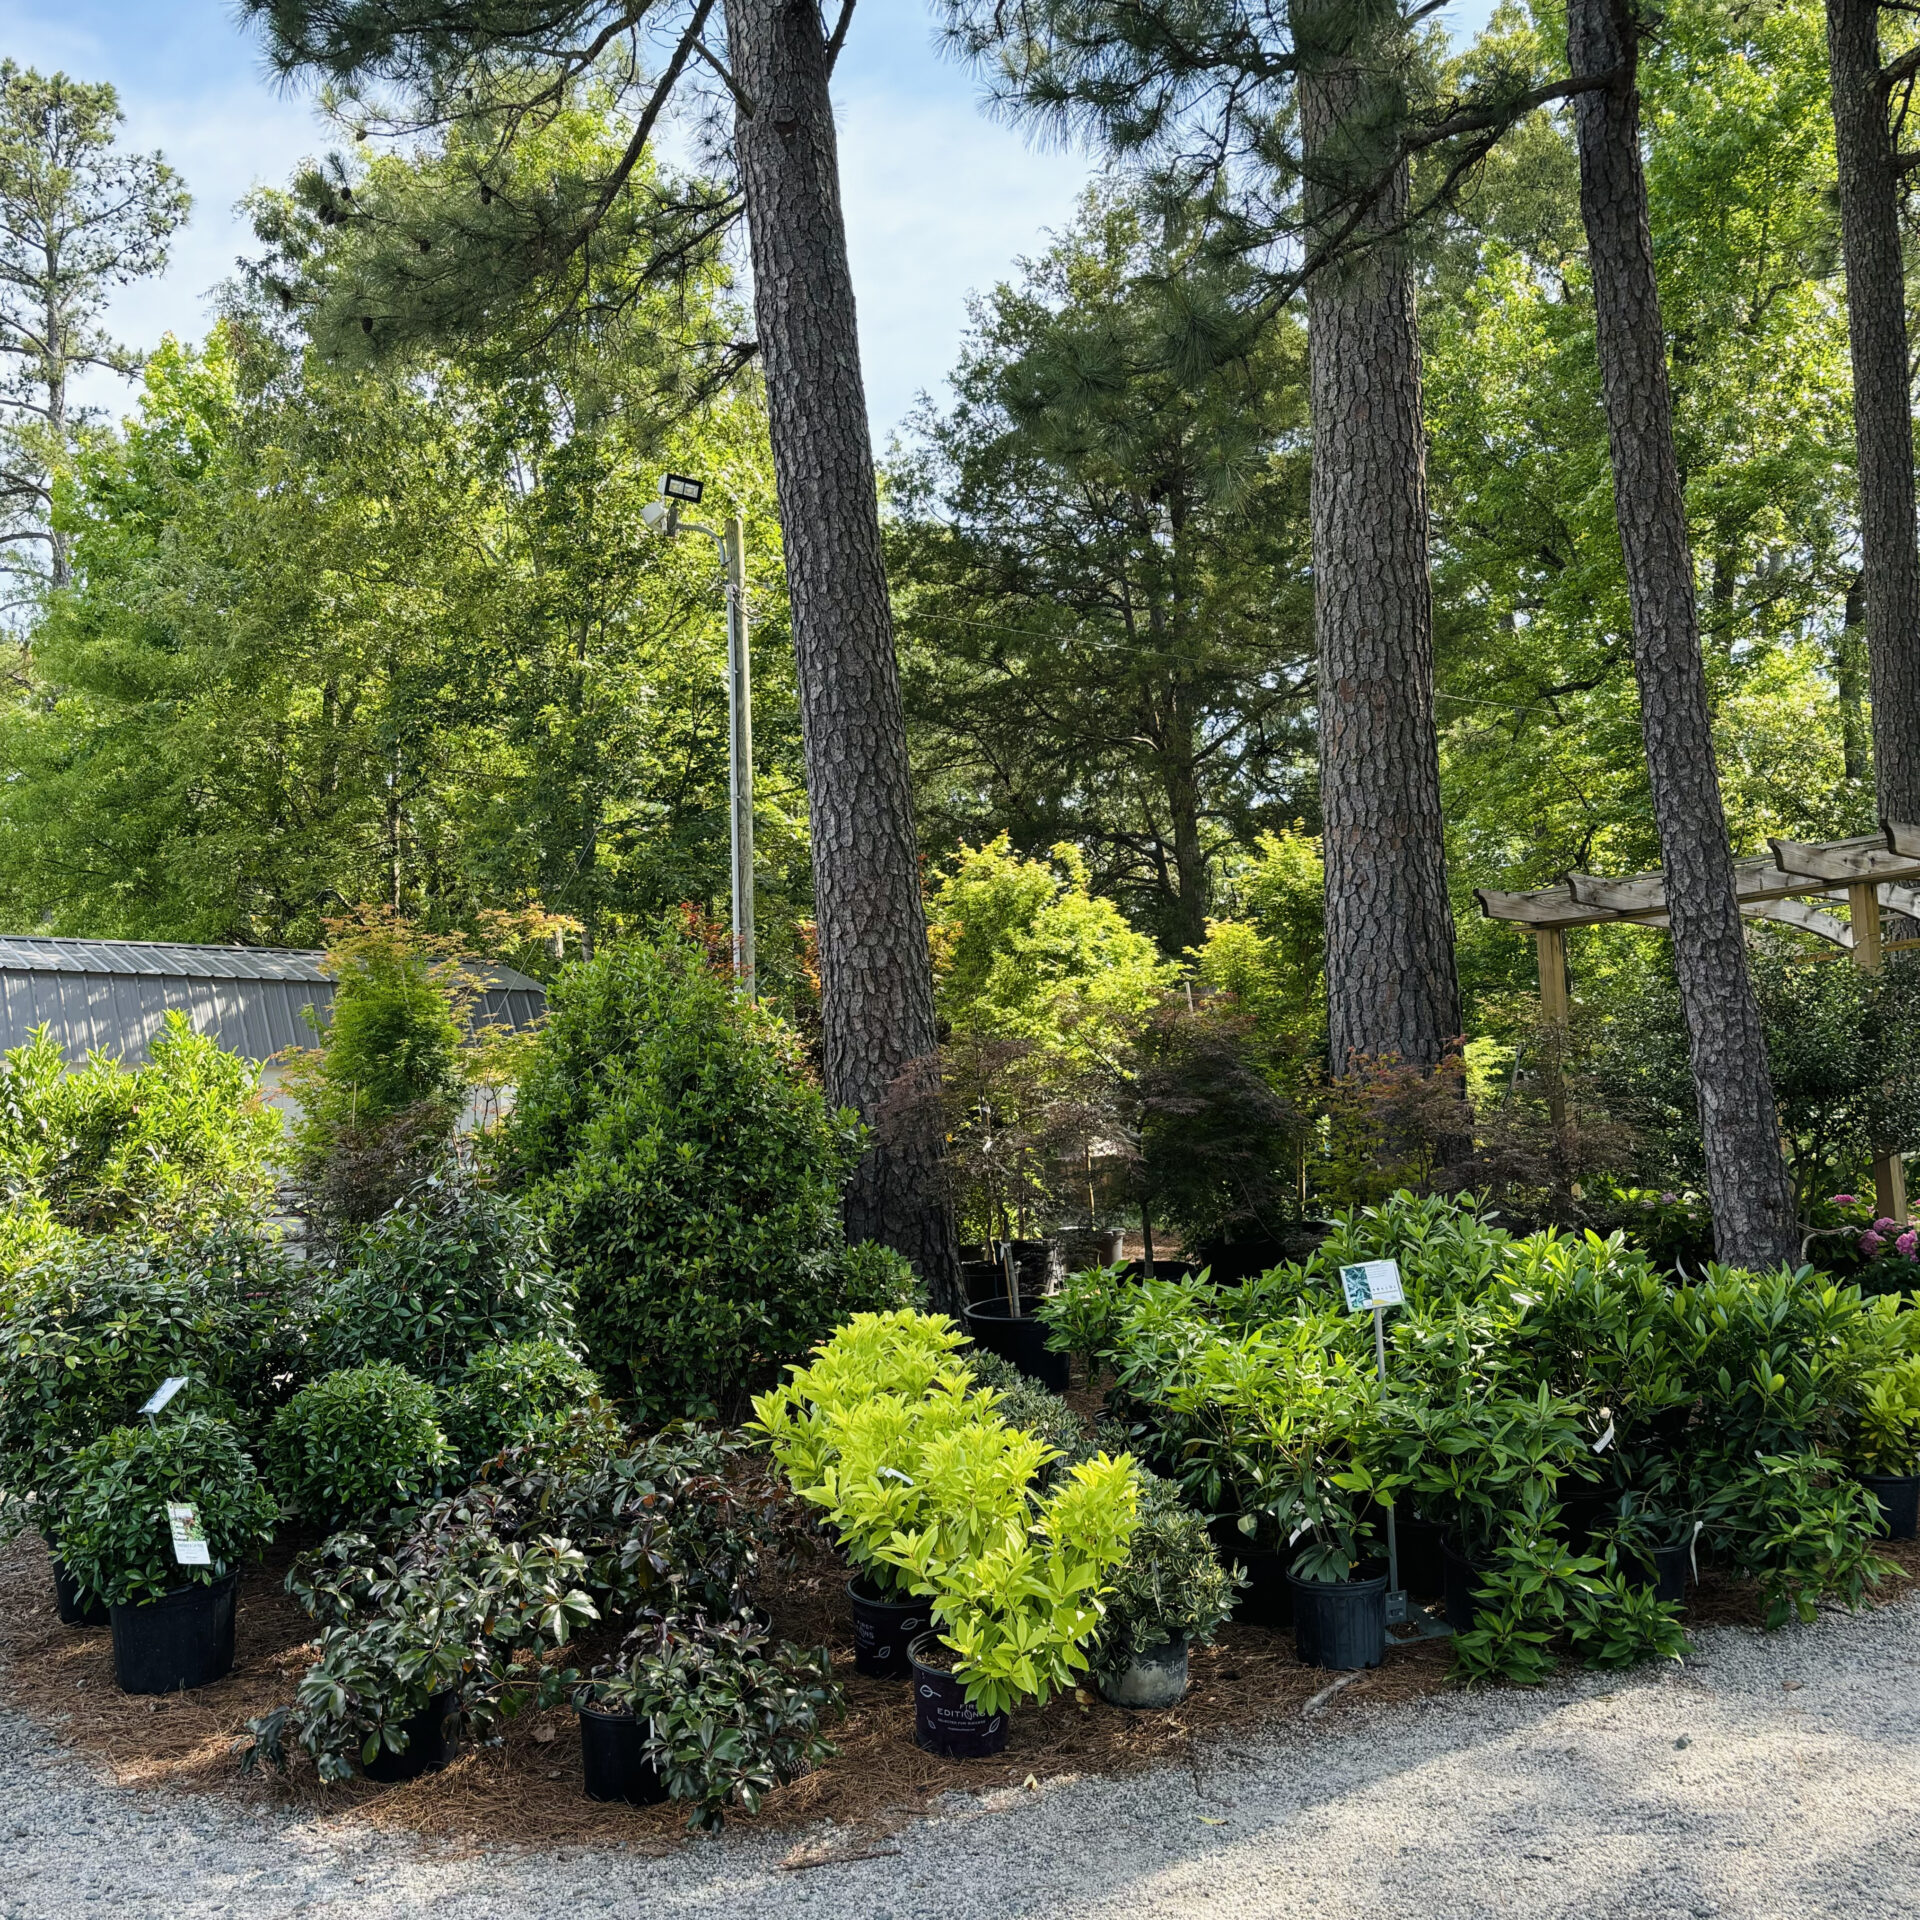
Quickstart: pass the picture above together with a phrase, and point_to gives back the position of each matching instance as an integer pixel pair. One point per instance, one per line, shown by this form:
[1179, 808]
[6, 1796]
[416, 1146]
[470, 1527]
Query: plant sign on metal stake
[162, 1394]
[1374, 1286]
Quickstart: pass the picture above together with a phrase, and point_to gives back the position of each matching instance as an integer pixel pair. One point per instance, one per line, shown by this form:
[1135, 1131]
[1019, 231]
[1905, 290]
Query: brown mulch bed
[527, 1790]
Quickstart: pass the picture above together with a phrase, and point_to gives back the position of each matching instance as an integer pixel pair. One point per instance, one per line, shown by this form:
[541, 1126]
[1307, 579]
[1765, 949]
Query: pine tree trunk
[1882, 404]
[1392, 989]
[876, 975]
[1752, 1201]
[1850, 683]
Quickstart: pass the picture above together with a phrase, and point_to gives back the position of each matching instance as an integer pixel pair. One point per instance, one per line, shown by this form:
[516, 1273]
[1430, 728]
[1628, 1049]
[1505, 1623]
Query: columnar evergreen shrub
[689, 1171]
[349, 1449]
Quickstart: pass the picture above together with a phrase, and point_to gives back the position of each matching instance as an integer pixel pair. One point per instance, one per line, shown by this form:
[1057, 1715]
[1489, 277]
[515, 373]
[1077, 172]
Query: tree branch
[838, 37]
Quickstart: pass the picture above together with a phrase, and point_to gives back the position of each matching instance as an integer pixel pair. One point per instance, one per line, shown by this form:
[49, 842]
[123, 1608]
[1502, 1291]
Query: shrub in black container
[113, 1531]
[690, 1173]
[349, 1449]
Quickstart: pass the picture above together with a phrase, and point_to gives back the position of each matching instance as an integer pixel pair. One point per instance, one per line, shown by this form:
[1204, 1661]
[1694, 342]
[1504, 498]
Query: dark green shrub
[112, 1530]
[102, 1323]
[520, 1396]
[689, 1172]
[453, 1268]
[349, 1449]
[876, 1279]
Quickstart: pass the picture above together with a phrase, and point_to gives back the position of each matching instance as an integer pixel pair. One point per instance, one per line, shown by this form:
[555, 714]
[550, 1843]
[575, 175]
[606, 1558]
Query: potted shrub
[169, 1587]
[1652, 1543]
[350, 1448]
[1016, 1583]
[849, 1431]
[712, 1713]
[1169, 1595]
[1886, 1445]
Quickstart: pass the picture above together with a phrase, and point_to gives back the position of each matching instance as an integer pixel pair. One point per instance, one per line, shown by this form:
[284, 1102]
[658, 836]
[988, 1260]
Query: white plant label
[1372, 1283]
[164, 1392]
[189, 1537]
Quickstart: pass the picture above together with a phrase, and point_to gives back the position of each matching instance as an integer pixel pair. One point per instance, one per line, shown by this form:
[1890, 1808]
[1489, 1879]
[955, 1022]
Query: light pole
[732, 545]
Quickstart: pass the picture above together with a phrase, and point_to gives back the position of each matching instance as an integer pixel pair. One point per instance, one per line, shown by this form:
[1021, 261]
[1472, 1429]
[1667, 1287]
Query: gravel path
[1772, 1776]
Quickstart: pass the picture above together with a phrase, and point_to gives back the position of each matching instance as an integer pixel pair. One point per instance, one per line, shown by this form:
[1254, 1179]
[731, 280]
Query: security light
[676, 486]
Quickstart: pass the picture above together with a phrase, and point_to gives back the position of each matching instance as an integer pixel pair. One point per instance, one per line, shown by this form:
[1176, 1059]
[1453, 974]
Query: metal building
[110, 996]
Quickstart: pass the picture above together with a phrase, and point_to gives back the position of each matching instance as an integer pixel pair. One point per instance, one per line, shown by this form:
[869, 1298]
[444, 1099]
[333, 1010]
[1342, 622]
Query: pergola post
[1550, 956]
[1889, 1170]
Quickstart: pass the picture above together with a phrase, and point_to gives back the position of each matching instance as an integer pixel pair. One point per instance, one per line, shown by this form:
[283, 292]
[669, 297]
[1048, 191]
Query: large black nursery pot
[1266, 1600]
[1899, 1498]
[883, 1630]
[613, 1756]
[432, 1735]
[1462, 1587]
[76, 1605]
[1154, 1679]
[1340, 1623]
[943, 1722]
[183, 1639]
[1022, 1341]
[1422, 1570]
[1668, 1576]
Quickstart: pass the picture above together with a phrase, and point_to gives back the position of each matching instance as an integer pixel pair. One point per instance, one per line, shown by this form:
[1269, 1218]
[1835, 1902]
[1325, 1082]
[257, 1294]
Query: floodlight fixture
[677, 486]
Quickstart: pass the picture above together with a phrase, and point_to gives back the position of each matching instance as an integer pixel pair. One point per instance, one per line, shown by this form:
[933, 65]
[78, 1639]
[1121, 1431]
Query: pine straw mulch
[527, 1791]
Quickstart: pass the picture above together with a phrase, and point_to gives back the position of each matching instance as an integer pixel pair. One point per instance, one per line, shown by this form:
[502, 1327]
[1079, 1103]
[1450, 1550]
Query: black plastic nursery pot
[1462, 1587]
[432, 1735]
[1422, 1571]
[1668, 1576]
[943, 1722]
[76, 1605]
[883, 1630]
[1266, 1600]
[613, 1756]
[1899, 1498]
[1340, 1623]
[183, 1639]
[1023, 1342]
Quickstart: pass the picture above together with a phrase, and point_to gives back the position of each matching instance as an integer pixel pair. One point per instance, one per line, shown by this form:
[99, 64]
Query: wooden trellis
[1795, 884]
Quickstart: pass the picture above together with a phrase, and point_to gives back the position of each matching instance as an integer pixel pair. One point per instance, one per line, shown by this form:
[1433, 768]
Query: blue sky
[941, 199]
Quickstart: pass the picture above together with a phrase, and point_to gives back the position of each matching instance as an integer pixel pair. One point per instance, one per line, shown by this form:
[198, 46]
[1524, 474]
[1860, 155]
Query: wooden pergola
[1796, 884]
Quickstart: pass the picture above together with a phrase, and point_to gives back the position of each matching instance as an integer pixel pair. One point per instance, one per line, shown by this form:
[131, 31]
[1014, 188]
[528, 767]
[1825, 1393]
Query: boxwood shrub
[349, 1449]
[690, 1173]
[112, 1530]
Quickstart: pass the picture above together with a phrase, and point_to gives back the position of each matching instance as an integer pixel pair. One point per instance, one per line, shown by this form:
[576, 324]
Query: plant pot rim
[994, 1307]
[871, 1599]
[920, 1640]
[1913, 1473]
[174, 1593]
[592, 1709]
[1374, 1583]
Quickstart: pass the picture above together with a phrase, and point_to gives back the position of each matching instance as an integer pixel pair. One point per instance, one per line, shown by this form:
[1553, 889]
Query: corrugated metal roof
[113, 995]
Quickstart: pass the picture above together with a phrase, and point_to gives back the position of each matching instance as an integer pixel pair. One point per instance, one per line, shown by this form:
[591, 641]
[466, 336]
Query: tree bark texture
[1753, 1214]
[1392, 988]
[1882, 402]
[876, 975]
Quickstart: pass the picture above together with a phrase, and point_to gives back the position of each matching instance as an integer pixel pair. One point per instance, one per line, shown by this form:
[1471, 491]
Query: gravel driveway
[1772, 1776]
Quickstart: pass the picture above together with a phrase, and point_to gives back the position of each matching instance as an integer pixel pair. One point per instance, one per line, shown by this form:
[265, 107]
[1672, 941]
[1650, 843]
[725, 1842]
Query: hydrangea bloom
[1906, 1243]
[1870, 1243]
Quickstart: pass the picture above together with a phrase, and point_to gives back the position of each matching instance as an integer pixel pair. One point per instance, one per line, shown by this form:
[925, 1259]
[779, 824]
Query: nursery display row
[1559, 1435]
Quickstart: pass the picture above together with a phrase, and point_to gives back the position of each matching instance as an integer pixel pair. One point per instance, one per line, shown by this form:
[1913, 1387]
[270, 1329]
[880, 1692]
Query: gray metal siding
[112, 996]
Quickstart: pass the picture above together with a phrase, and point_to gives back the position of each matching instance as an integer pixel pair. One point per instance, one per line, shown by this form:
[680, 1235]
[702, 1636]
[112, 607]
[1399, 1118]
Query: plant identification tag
[1372, 1283]
[164, 1392]
[189, 1537]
